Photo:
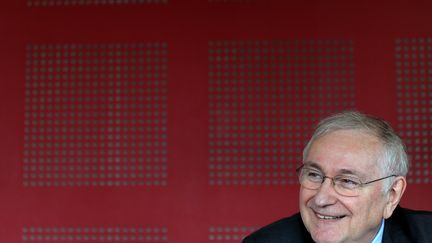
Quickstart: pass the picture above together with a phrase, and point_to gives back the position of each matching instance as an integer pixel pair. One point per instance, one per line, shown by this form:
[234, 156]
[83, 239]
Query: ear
[394, 195]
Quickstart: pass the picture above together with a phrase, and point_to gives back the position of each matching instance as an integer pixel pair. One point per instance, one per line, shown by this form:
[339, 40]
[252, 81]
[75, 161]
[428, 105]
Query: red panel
[96, 115]
[414, 87]
[265, 96]
[194, 133]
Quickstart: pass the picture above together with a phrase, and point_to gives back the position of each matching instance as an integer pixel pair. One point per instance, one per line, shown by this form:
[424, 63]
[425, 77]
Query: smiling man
[352, 179]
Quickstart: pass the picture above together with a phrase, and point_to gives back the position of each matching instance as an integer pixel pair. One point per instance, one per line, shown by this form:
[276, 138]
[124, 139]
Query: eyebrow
[340, 172]
[312, 164]
[348, 172]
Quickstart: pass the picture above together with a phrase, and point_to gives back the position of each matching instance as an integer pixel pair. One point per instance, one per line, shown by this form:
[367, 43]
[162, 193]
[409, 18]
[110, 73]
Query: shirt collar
[379, 235]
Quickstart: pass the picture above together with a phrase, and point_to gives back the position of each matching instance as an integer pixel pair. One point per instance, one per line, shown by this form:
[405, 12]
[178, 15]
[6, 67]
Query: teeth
[329, 217]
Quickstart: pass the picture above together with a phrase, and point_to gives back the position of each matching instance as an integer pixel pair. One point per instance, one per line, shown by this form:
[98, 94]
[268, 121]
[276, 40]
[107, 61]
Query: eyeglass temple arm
[378, 179]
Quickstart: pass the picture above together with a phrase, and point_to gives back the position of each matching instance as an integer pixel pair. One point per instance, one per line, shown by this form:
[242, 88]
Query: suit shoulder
[282, 230]
[421, 220]
[415, 216]
[410, 225]
[284, 224]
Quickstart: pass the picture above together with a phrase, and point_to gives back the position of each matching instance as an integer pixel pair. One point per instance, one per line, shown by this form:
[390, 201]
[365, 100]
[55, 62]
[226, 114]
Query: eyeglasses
[344, 185]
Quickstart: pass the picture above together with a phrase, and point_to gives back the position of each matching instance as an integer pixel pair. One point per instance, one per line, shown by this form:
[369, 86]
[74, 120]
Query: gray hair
[393, 159]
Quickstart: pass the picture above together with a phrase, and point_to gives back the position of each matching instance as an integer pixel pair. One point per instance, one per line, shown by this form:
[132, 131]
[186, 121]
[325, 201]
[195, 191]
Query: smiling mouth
[326, 217]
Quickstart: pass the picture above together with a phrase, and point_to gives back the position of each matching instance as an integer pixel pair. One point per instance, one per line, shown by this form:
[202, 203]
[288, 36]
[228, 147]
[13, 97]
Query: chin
[327, 234]
[325, 238]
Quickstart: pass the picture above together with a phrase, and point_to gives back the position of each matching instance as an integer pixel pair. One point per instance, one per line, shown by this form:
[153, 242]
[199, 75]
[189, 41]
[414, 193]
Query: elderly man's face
[330, 217]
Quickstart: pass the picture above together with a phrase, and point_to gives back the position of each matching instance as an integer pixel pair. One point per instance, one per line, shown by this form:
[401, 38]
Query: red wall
[183, 121]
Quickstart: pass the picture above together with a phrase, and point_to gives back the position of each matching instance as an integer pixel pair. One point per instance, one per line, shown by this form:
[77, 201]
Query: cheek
[374, 205]
[304, 196]
[301, 196]
[303, 201]
[365, 210]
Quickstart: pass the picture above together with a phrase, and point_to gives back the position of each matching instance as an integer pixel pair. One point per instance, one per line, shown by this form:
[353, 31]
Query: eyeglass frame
[361, 184]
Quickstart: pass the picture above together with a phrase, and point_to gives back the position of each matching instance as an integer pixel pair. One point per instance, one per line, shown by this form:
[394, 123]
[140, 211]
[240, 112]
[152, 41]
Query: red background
[372, 56]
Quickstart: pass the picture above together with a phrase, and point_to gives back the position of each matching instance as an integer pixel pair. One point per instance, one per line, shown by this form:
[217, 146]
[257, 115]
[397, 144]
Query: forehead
[345, 150]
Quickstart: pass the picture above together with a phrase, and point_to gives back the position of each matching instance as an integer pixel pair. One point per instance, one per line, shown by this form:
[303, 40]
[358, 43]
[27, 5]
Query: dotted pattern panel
[232, 1]
[95, 115]
[264, 98]
[94, 234]
[414, 105]
[70, 3]
[229, 234]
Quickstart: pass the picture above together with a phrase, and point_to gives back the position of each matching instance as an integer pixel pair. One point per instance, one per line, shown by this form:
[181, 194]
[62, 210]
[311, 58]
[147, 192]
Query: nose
[326, 194]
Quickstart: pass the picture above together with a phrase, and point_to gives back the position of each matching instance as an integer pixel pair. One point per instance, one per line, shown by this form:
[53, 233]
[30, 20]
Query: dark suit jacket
[403, 226]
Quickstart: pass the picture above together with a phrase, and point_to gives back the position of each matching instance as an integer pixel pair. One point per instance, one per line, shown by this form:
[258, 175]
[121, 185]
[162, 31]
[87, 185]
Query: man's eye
[314, 175]
[348, 182]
